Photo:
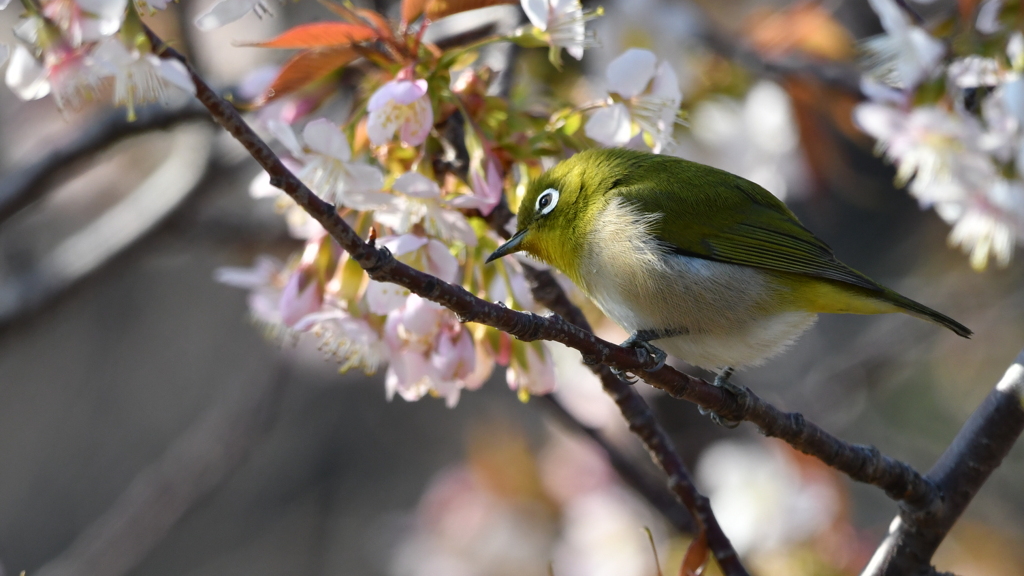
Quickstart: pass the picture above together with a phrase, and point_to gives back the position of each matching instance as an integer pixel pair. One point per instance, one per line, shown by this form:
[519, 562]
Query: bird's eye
[547, 201]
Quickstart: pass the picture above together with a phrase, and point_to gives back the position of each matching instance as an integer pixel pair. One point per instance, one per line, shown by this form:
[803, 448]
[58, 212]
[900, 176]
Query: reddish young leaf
[411, 9]
[696, 556]
[320, 35]
[440, 8]
[305, 68]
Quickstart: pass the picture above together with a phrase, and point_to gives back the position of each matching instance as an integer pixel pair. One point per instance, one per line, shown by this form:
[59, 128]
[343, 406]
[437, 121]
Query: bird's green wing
[712, 214]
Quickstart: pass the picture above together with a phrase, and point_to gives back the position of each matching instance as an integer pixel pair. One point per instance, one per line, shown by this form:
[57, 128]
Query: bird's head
[561, 207]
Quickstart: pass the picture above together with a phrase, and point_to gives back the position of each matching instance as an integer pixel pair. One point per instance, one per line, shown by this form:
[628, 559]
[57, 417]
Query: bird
[691, 260]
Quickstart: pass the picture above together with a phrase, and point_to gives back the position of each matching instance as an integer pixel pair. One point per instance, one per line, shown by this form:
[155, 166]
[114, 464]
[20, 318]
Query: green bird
[709, 266]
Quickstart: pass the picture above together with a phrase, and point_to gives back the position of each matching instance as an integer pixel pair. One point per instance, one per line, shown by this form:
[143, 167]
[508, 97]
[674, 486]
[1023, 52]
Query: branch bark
[963, 468]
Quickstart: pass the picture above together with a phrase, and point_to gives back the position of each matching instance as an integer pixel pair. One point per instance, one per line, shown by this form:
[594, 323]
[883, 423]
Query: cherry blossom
[418, 202]
[346, 338]
[84, 21]
[327, 165]
[140, 77]
[488, 184]
[263, 280]
[422, 253]
[561, 24]
[906, 54]
[644, 96]
[401, 106]
[532, 370]
[762, 498]
[69, 74]
[431, 353]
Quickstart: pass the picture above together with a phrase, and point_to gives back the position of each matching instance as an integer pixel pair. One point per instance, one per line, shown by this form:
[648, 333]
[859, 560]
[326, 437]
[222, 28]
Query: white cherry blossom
[561, 24]
[69, 74]
[327, 166]
[906, 54]
[418, 202]
[346, 338]
[401, 106]
[140, 77]
[644, 97]
[431, 353]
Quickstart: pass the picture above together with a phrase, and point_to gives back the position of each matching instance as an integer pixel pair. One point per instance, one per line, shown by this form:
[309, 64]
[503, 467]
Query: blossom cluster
[392, 165]
[953, 125]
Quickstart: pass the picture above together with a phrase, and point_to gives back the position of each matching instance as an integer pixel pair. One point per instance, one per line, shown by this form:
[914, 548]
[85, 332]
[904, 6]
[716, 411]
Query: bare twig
[34, 181]
[977, 450]
[380, 265]
[193, 466]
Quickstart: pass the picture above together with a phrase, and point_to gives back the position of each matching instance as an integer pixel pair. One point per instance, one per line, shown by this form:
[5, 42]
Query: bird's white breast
[729, 315]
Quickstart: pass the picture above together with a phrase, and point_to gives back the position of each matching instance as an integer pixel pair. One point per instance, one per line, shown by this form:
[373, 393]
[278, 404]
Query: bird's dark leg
[722, 381]
[641, 339]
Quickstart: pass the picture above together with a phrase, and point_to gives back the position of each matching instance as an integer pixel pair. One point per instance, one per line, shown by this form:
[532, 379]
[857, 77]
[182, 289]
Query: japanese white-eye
[711, 267]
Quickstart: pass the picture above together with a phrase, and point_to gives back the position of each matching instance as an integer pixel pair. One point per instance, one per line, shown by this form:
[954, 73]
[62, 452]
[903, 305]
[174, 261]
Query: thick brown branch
[963, 468]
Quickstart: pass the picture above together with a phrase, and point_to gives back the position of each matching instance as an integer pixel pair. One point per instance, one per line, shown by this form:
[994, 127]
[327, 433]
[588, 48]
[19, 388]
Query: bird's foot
[640, 339]
[740, 392]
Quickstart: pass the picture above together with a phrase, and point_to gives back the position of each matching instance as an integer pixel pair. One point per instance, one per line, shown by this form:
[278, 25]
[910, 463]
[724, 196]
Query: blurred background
[147, 427]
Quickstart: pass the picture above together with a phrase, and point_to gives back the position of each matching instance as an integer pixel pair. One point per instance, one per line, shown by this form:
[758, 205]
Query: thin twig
[963, 468]
[381, 266]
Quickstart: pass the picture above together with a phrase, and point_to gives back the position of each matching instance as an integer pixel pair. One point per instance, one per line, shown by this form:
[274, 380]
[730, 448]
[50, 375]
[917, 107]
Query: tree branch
[34, 181]
[963, 468]
[381, 266]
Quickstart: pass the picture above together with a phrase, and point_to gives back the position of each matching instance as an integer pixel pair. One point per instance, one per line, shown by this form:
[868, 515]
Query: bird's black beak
[508, 247]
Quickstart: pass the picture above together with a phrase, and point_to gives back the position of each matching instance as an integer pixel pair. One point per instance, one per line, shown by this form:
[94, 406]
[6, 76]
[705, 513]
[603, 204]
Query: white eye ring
[547, 201]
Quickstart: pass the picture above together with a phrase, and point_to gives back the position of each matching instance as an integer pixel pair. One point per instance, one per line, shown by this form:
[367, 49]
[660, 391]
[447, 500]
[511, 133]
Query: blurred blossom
[464, 528]
[419, 202]
[973, 72]
[84, 21]
[988, 17]
[327, 166]
[67, 73]
[140, 78]
[401, 106]
[924, 143]
[227, 11]
[264, 285]
[906, 54]
[603, 535]
[562, 24]
[532, 370]
[642, 92]
[302, 296]
[755, 138]
[762, 499]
